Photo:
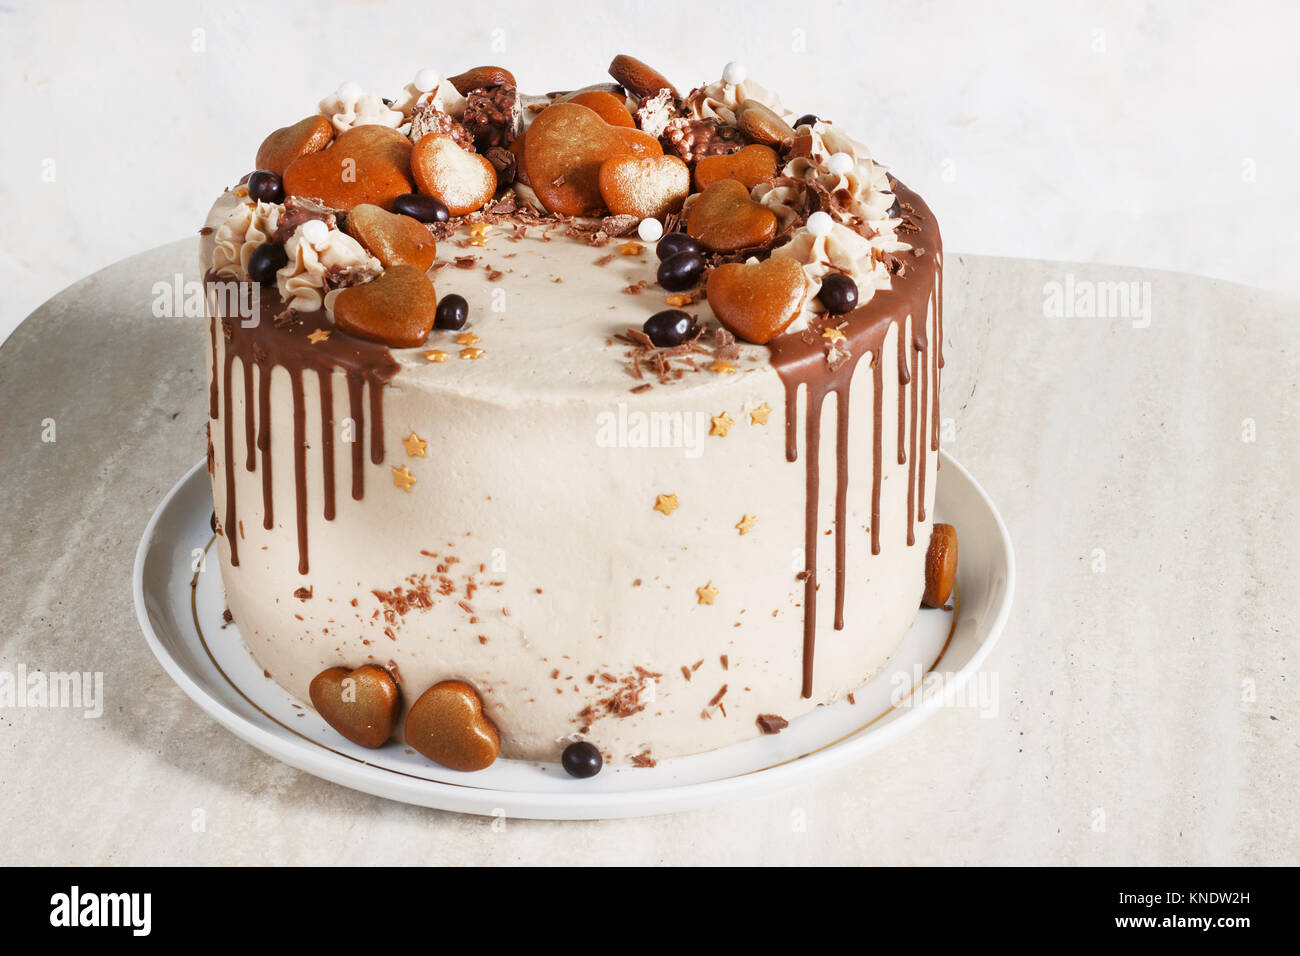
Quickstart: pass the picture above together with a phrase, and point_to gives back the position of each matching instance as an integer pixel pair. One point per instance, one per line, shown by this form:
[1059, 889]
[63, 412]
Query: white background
[1153, 134]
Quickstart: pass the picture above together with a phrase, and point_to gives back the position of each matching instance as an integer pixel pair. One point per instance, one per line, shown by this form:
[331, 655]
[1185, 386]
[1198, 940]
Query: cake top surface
[621, 236]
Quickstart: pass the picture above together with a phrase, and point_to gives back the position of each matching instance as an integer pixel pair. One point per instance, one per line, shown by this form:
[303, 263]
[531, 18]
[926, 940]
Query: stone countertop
[1147, 702]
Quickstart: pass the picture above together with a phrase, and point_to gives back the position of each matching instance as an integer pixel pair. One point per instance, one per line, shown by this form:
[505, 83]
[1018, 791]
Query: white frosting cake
[656, 547]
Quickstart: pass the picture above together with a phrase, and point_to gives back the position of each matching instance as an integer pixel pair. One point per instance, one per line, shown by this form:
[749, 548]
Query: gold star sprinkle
[666, 504]
[436, 355]
[471, 353]
[677, 301]
[467, 338]
[478, 234]
[746, 523]
[721, 425]
[832, 335]
[403, 479]
[706, 594]
[320, 335]
[722, 368]
[415, 446]
[631, 249]
[758, 416]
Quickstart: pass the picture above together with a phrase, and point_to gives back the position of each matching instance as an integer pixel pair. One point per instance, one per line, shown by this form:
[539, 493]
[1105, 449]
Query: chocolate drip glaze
[800, 360]
[264, 347]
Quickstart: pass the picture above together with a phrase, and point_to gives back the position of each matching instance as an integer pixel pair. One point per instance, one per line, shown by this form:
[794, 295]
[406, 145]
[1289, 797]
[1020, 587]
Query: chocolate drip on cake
[801, 361]
[265, 346]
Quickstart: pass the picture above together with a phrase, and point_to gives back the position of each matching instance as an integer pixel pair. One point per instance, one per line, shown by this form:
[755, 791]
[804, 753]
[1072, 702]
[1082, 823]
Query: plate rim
[466, 798]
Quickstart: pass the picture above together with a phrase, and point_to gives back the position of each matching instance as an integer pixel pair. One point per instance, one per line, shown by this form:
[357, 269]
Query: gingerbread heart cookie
[724, 218]
[751, 166]
[756, 301]
[481, 77]
[462, 180]
[366, 164]
[391, 238]
[640, 79]
[447, 725]
[640, 143]
[604, 104]
[762, 124]
[566, 145]
[360, 704]
[940, 565]
[288, 143]
[644, 186]
[397, 309]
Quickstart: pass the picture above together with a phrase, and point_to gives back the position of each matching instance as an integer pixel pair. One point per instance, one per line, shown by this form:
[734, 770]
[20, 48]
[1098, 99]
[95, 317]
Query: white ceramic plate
[179, 599]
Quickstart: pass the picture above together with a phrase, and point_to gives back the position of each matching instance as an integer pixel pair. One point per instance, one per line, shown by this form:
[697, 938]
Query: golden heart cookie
[648, 187]
[481, 77]
[366, 164]
[464, 181]
[641, 144]
[360, 704]
[566, 145]
[762, 124]
[293, 142]
[940, 566]
[725, 219]
[391, 238]
[396, 310]
[757, 300]
[640, 79]
[606, 105]
[447, 725]
[517, 147]
[751, 166]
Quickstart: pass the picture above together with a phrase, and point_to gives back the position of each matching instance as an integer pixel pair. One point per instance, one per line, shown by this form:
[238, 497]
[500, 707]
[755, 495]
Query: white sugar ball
[820, 224]
[315, 232]
[426, 80]
[841, 164]
[349, 92]
[734, 73]
[650, 230]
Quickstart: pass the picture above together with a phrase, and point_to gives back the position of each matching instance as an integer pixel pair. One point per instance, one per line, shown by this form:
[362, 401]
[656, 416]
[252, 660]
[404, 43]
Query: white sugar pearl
[315, 232]
[734, 73]
[349, 92]
[840, 164]
[650, 230]
[820, 224]
[426, 80]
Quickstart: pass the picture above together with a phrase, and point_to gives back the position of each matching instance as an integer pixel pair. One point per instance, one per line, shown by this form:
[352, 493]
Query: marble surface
[1095, 130]
[1146, 703]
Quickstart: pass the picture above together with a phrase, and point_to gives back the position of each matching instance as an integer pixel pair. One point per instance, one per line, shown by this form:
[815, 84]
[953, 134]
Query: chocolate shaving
[771, 723]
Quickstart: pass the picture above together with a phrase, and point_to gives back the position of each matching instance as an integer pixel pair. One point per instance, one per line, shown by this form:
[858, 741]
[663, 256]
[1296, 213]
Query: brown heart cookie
[393, 239]
[640, 143]
[482, 77]
[288, 143]
[360, 704]
[757, 300]
[762, 124]
[447, 725]
[396, 310]
[641, 80]
[464, 181]
[367, 164]
[566, 145]
[606, 105]
[940, 566]
[751, 166]
[644, 186]
[724, 218]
